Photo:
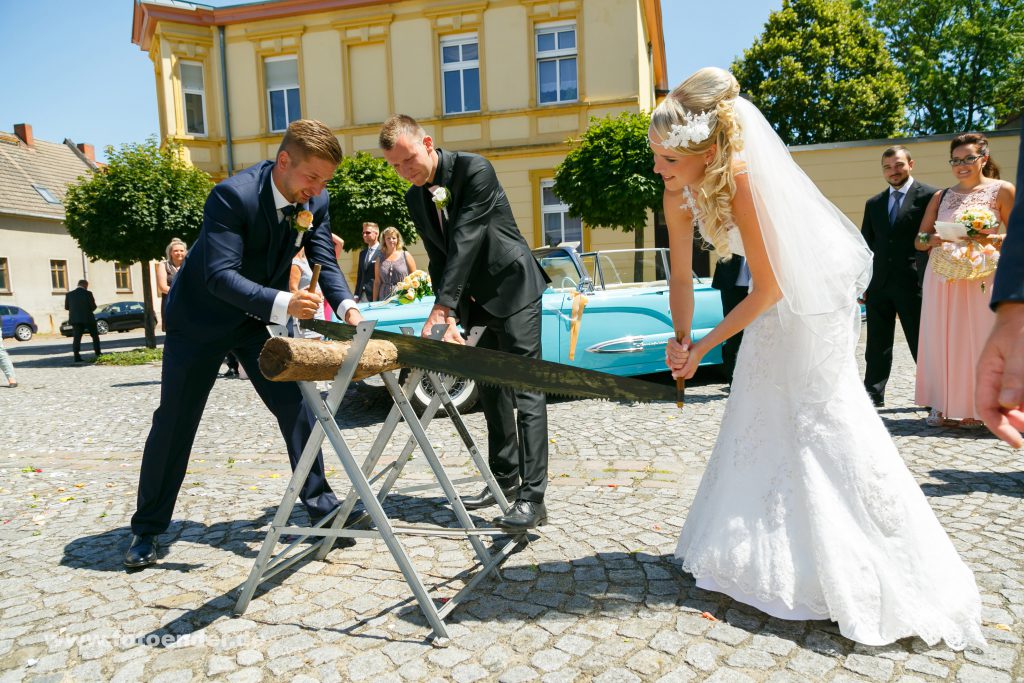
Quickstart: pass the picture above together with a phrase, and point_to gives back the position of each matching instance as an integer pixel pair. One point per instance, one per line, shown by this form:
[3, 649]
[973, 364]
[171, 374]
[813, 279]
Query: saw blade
[506, 370]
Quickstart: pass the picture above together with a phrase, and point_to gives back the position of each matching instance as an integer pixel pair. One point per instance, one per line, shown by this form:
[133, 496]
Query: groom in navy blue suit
[233, 283]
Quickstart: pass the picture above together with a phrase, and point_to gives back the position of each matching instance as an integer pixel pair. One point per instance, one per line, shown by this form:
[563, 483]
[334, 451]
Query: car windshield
[108, 308]
[561, 269]
[627, 267]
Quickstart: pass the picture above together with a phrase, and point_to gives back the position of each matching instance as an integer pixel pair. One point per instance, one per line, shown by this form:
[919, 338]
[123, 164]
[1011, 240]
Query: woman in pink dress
[955, 315]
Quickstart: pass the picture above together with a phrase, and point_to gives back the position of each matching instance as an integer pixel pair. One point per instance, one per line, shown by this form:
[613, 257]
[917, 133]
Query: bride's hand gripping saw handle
[680, 382]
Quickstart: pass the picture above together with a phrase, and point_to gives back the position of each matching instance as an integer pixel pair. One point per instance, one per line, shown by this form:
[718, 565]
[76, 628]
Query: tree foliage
[366, 188]
[608, 178]
[820, 72]
[130, 209]
[963, 59]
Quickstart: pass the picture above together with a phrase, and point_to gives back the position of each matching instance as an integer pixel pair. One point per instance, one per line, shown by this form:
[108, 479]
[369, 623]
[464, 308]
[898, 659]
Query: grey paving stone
[875, 668]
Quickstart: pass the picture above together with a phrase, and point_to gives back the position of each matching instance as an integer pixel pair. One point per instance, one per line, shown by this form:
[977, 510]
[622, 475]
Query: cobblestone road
[597, 596]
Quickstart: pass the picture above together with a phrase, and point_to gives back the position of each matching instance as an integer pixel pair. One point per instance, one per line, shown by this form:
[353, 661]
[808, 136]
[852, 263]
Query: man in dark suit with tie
[892, 219]
[233, 283]
[732, 280]
[80, 304]
[483, 274]
[367, 258]
[999, 392]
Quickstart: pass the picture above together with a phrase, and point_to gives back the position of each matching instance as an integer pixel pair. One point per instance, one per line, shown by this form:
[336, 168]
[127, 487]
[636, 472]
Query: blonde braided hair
[709, 90]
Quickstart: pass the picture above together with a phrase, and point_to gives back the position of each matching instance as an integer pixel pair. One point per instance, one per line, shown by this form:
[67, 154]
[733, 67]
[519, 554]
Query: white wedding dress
[807, 511]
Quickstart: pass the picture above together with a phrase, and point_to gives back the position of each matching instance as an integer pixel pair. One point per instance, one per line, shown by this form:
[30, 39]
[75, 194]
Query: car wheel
[22, 332]
[102, 327]
[464, 394]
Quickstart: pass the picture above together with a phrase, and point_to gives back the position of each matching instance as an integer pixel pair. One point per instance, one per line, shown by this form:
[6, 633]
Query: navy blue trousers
[190, 369]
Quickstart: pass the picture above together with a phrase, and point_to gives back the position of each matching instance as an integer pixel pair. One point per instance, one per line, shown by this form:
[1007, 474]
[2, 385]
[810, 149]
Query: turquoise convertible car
[625, 324]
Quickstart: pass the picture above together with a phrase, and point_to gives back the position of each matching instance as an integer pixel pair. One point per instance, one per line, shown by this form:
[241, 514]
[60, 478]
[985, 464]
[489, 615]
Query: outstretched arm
[765, 291]
[680, 285]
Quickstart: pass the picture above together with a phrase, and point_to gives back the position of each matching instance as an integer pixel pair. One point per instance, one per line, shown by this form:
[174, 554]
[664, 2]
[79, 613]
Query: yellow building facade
[509, 79]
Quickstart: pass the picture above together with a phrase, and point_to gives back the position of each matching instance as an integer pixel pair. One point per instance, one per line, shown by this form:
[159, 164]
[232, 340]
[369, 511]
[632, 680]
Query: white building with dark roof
[39, 261]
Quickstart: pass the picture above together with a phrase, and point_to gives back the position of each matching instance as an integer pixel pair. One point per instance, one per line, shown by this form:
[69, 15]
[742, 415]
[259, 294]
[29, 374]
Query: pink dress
[955, 322]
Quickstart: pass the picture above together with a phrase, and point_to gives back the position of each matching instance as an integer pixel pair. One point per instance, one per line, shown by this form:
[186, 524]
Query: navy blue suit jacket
[242, 259]
[1009, 283]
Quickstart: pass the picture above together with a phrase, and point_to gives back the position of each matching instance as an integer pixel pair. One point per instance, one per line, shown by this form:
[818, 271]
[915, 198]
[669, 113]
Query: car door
[134, 316]
[114, 314]
[627, 321]
[8, 321]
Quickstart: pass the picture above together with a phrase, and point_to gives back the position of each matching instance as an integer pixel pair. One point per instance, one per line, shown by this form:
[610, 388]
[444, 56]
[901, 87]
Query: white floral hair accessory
[696, 128]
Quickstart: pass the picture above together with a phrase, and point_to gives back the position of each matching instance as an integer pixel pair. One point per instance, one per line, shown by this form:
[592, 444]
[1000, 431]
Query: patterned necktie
[287, 211]
[897, 199]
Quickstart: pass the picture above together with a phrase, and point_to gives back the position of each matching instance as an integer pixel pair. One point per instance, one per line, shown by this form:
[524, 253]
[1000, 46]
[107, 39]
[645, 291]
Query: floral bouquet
[414, 287]
[979, 221]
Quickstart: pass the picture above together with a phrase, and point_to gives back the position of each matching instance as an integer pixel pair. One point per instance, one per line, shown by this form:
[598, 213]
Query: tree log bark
[284, 359]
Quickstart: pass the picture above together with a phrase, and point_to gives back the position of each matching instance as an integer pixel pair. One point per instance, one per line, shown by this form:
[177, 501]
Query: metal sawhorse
[361, 477]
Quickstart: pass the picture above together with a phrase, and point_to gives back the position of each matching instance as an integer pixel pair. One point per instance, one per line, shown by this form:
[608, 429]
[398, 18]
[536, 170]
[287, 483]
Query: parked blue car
[17, 323]
[624, 326]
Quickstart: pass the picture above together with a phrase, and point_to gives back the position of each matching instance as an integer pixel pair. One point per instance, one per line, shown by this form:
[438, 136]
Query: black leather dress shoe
[877, 400]
[141, 552]
[523, 514]
[486, 499]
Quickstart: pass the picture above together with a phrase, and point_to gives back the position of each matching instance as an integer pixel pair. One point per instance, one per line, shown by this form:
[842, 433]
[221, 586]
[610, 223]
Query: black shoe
[231, 373]
[523, 514]
[141, 552]
[876, 399]
[78, 359]
[486, 499]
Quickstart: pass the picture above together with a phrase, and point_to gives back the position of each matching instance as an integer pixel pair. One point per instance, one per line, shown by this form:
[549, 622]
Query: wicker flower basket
[966, 260]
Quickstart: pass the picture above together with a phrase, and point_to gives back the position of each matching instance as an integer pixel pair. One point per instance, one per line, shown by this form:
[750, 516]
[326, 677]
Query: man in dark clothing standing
[483, 274]
[367, 258]
[892, 220]
[80, 304]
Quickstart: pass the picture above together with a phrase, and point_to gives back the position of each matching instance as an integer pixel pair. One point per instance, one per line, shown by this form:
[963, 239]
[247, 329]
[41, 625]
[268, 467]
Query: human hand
[353, 316]
[999, 389]
[304, 304]
[438, 315]
[452, 334]
[689, 368]
[676, 355]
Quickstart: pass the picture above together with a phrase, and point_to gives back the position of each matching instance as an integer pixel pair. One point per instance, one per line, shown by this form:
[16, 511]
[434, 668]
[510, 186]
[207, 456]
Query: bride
[805, 510]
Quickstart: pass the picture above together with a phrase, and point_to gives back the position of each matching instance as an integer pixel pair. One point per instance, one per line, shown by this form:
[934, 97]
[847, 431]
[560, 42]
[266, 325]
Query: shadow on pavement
[962, 482]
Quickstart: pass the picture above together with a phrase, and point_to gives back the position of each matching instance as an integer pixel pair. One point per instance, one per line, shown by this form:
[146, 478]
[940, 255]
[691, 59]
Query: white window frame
[556, 56]
[270, 109]
[561, 209]
[461, 66]
[192, 91]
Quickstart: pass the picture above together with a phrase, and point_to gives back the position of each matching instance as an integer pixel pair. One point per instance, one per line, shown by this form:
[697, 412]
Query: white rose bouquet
[413, 287]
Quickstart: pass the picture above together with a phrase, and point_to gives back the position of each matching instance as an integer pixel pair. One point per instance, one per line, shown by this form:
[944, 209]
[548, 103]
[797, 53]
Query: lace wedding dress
[806, 510]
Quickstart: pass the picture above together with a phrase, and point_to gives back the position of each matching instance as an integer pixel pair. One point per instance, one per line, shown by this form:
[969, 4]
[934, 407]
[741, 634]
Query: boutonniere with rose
[302, 221]
[442, 197]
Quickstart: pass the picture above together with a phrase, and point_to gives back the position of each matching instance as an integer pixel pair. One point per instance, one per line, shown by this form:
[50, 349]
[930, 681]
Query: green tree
[608, 178]
[963, 59]
[130, 209]
[366, 188]
[821, 73]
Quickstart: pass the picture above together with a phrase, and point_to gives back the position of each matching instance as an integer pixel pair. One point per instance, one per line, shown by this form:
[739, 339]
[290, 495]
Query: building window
[46, 194]
[460, 74]
[282, 79]
[59, 275]
[122, 276]
[5, 276]
[194, 96]
[559, 226]
[556, 63]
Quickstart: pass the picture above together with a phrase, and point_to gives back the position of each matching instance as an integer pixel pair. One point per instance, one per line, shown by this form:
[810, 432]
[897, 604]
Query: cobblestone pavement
[596, 596]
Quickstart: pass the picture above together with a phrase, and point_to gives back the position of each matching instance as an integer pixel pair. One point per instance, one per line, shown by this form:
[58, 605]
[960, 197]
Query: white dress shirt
[279, 311]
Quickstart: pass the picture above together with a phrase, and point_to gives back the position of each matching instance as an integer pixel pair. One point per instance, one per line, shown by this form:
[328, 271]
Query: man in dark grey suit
[999, 392]
[483, 274]
[732, 280]
[80, 304]
[367, 259]
[892, 220]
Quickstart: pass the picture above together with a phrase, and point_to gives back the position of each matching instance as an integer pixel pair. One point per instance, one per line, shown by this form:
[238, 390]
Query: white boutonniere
[442, 197]
[302, 222]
